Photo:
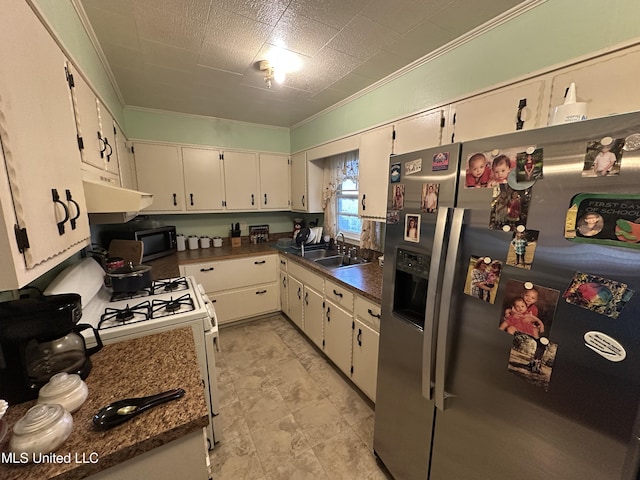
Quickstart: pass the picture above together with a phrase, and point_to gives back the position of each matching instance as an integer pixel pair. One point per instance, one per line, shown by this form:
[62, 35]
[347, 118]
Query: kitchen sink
[338, 261]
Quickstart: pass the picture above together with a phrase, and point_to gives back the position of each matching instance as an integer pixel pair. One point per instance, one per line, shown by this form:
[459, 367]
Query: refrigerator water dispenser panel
[410, 292]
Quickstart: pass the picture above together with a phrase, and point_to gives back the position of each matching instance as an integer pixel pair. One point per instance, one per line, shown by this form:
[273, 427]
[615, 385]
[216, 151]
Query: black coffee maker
[39, 337]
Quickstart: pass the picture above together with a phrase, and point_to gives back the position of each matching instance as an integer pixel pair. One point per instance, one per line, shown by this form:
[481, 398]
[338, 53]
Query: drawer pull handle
[299, 294]
[328, 314]
[337, 294]
[376, 315]
[206, 269]
[359, 337]
[260, 262]
[213, 300]
[260, 292]
[306, 298]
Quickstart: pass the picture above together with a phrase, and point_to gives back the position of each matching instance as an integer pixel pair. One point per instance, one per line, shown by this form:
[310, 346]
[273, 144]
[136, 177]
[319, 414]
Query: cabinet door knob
[303, 200]
[328, 314]
[306, 298]
[265, 198]
[364, 207]
[191, 198]
[299, 294]
[103, 148]
[252, 199]
[175, 200]
[359, 337]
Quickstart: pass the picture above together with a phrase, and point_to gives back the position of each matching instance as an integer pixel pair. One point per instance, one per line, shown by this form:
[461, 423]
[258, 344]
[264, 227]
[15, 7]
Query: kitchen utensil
[129, 250]
[131, 278]
[112, 263]
[41, 430]
[312, 236]
[303, 235]
[64, 389]
[122, 410]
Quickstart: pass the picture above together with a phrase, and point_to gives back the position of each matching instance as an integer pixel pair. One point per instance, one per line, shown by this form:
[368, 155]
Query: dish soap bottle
[570, 110]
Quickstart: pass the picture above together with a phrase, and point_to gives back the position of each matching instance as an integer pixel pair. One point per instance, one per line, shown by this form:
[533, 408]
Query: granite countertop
[364, 279]
[134, 368]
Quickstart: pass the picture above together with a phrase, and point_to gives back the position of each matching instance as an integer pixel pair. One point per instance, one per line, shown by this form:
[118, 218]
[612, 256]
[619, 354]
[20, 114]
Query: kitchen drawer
[306, 277]
[339, 295]
[246, 302]
[367, 312]
[235, 273]
[282, 260]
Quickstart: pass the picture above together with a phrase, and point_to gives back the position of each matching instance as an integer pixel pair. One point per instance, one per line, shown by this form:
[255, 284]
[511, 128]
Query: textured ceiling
[199, 56]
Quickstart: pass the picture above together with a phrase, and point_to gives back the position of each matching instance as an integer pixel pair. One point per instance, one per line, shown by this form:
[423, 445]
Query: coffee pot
[40, 337]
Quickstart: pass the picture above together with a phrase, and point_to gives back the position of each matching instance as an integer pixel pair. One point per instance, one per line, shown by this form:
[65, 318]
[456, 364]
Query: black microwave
[157, 241]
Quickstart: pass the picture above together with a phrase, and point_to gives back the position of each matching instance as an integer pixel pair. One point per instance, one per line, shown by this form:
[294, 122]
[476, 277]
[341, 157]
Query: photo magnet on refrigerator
[440, 161]
[605, 346]
[604, 218]
[429, 201]
[600, 295]
[483, 277]
[522, 247]
[394, 173]
[397, 196]
[533, 359]
[528, 308]
[603, 157]
[414, 166]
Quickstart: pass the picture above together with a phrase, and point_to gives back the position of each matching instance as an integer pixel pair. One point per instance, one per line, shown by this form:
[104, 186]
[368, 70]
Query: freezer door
[404, 411]
[498, 423]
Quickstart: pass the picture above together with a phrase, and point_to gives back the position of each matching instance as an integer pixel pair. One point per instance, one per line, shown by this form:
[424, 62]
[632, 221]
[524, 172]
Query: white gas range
[165, 305]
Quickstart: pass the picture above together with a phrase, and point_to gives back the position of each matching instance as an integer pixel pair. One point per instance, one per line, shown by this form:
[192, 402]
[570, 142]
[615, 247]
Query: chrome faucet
[302, 248]
[342, 249]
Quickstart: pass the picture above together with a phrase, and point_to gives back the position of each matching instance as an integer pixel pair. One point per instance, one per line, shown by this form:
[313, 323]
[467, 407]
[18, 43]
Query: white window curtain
[336, 169]
[371, 236]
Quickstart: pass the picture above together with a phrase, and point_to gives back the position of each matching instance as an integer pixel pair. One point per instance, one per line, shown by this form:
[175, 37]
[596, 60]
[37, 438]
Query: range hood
[110, 204]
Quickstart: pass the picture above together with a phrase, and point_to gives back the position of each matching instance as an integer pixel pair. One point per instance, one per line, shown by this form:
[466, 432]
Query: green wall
[551, 33]
[198, 130]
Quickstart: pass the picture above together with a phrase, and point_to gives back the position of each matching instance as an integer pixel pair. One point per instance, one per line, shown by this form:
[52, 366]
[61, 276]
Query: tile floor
[287, 413]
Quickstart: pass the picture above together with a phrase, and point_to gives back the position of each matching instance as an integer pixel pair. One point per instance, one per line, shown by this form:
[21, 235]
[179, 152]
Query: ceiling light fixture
[278, 64]
[271, 73]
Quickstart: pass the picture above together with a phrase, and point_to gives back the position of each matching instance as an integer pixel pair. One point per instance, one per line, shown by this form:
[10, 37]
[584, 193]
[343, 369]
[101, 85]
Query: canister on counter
[192, 242]
[181, 243]
[205, 242]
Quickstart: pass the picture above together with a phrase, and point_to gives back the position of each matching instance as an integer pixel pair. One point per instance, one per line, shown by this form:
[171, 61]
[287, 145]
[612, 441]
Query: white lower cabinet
[240, 287]
[245, 302]
[366, 328]
[294, 294]
[343, 324]
[337, 336]
[313, 315]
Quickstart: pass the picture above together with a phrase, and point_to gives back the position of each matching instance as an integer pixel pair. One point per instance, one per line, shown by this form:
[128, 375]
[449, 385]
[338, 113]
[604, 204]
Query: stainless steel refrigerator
[474, 381]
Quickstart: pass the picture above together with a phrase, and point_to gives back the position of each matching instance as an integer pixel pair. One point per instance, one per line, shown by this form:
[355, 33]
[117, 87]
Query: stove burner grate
[162, 308]
[118, 296]
[115, 317]
[170, 285]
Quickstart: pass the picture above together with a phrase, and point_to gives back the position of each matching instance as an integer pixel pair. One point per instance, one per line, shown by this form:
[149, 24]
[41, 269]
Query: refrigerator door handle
[428, 344]
[453, 250]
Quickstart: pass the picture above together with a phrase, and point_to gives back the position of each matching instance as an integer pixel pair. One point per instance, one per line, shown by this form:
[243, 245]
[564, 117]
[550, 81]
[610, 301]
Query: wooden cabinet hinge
[352, 369]
[221, 156]
[442, 122]
[80, 143]
[21, 238]
[393, 134]
[353, 325]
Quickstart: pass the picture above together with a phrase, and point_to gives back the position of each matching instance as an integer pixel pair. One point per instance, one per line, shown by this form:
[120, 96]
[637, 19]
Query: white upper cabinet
[607, 84]
[502, 111]
[375, 149]
[274, 182]
[159, 172]
[299, 182]
[241, 180]
[126, 161]
[203, 181]
[95, 127]
[42, 202]
[419, 132]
